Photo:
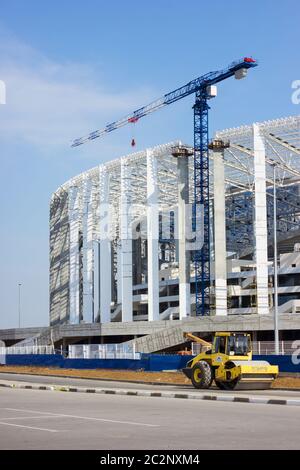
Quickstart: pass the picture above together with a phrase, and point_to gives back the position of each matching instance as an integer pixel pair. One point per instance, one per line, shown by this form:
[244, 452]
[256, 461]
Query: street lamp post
[19, 285]
[276, 331]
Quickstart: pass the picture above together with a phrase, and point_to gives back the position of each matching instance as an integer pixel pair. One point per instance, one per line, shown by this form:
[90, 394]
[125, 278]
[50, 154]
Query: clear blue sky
[70, 67]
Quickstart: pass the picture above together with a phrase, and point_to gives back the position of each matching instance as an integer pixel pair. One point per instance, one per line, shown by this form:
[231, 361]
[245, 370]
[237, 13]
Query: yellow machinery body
[229, 363]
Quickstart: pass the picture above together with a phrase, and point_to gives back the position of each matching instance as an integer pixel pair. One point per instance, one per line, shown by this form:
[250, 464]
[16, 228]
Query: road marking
[28, 427]
[30, 417]
[133, 423]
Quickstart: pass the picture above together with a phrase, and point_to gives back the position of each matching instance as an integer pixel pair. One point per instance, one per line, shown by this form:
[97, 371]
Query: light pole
[276, 331]
[19, 285]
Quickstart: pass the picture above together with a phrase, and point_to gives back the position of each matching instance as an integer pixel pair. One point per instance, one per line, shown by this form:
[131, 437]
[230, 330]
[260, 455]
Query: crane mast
[202, 87]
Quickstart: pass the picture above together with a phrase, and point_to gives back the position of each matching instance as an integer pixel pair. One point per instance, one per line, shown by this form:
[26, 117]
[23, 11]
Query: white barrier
[26, 350]
[103, 351]
[2, 357]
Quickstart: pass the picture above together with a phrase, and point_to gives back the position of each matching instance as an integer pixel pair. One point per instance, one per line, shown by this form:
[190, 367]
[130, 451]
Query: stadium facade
[120, 233]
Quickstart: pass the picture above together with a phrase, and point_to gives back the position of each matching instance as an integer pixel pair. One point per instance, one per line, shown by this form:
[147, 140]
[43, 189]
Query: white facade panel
[74, 255]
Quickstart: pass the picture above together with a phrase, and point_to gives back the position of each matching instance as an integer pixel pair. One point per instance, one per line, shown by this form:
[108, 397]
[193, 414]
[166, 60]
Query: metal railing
[103, 351]
[27, 350]
[286, 348]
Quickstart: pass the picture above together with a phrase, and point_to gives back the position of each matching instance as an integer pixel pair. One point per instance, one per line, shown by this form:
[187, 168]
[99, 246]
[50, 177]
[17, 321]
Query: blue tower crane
[203, 87]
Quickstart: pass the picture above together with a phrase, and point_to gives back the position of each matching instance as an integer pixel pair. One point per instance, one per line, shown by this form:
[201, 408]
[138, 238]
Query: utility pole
[276, 331]
[19, 286]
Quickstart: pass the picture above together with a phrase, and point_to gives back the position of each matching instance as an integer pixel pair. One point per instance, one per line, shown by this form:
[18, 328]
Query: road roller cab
[231, 345]
[229, 363]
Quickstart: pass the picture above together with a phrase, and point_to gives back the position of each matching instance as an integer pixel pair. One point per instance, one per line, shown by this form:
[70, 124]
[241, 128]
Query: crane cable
[133, 120]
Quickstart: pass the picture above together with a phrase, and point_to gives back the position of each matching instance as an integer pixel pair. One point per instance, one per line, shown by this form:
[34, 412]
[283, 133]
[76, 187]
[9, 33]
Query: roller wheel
[226, 385]
[202, 376]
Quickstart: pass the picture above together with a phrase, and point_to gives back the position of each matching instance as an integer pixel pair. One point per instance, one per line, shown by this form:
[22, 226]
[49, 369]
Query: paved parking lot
[40, 419]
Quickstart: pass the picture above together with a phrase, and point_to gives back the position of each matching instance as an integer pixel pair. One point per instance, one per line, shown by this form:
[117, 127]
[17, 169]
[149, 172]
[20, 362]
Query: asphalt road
[134, 386]
[46, 420]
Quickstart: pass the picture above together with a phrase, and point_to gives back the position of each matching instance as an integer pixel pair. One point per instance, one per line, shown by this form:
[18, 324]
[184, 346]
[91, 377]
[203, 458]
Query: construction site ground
[173, 378]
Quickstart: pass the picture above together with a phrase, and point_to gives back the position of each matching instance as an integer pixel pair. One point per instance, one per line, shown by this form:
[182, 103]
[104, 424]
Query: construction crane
[204, 89]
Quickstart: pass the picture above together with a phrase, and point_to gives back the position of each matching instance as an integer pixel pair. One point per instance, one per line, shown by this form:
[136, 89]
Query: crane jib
[192, 87]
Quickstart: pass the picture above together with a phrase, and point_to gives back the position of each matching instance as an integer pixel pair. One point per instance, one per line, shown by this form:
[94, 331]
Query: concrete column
[119, 274]
[220, 234]
[74, 309]
[104, 246]
[96, 281]
[184, 254]
[126, 244]
[260, 226]
[87, 250]
[176, 235]
[152, 237]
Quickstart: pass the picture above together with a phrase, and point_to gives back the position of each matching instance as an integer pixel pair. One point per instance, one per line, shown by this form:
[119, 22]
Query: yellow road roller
[229, 363]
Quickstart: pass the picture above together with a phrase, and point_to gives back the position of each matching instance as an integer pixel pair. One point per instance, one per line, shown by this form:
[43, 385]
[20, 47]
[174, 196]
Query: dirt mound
[129, 375]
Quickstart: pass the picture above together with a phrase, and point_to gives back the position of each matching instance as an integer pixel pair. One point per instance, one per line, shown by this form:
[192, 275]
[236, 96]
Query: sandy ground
[128, 375]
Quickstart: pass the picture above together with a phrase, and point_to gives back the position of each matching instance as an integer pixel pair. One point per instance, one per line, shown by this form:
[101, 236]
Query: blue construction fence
[148, 362]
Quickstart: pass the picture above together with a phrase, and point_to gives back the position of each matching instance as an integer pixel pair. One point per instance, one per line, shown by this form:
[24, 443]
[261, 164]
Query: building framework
[117, 238]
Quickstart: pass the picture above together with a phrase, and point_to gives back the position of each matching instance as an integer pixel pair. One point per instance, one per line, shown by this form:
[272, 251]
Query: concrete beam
[249, 323]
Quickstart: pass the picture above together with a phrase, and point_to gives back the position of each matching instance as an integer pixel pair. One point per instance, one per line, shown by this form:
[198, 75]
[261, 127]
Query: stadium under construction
[122, 241]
